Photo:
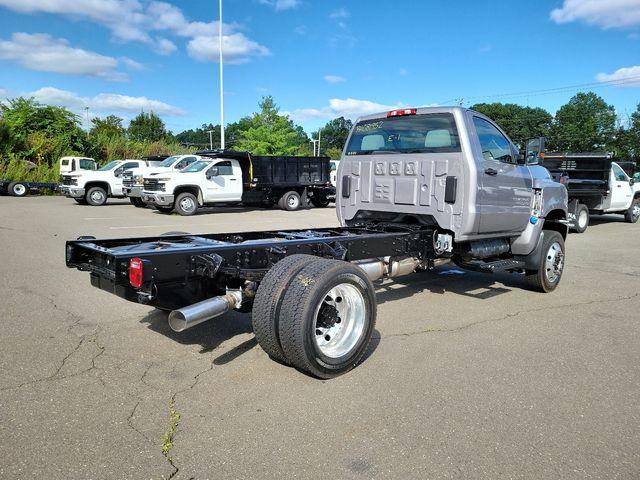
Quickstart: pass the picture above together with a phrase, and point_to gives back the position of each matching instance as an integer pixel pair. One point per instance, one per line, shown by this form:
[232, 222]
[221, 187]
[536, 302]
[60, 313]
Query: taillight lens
[401, 112]
[136, 274]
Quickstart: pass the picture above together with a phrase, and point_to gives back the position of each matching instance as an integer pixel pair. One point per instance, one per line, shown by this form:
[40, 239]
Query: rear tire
[137, 202]
[633, 214]
[18, 189]
[327, 318]
[96, 196]
[582, 219]
[547, 277]
[290, 201]
[268, 301]
[186, 204]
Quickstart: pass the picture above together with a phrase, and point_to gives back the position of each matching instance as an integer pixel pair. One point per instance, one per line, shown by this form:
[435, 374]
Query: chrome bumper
[162, 199]
[72, 192]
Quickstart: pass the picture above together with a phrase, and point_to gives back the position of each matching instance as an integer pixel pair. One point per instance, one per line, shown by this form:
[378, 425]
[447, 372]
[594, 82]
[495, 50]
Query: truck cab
[203, 182]
[94, 187]
[71, 164]
[453, 168]
[133, 179]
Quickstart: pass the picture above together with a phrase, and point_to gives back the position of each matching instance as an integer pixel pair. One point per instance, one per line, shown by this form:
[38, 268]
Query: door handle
[233, 179]
[491, 171]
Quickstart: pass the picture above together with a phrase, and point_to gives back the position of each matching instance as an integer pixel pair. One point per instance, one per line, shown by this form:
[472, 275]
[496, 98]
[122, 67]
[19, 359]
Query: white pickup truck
[94, 187]
[132, 179]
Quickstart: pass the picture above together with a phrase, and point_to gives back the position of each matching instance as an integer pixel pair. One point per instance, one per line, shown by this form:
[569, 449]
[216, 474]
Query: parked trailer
[22, 189]
[416, 188]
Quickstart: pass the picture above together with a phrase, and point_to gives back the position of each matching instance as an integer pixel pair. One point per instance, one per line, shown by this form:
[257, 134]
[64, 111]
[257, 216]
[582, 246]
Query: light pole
[210, 139]
[221, 76]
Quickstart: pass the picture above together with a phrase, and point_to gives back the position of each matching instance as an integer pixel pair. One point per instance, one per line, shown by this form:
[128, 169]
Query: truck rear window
[430, 133]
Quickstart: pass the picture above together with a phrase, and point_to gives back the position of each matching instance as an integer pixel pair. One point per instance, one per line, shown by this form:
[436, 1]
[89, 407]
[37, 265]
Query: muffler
[376, 269]
[192, 315]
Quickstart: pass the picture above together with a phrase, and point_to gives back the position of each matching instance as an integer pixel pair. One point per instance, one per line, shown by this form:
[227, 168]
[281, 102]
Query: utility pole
[221, 76]
[314, 142]
[86, 114]
[210, 139]
[319, 137]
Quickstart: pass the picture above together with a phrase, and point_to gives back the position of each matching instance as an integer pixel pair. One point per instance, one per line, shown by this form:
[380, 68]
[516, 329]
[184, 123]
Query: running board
[492, 267]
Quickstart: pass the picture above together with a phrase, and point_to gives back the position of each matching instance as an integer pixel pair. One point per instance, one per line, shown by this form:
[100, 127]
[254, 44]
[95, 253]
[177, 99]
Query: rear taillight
[401, 112]
[136, 273]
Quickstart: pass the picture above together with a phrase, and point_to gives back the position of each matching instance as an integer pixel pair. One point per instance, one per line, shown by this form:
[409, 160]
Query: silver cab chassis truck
[416, 188]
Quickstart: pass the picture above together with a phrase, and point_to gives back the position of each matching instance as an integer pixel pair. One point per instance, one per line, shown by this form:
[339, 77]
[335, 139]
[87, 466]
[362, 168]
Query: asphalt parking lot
[468, 376]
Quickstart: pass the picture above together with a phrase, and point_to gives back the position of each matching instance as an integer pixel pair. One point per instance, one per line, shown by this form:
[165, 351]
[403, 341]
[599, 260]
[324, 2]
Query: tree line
[41, 134]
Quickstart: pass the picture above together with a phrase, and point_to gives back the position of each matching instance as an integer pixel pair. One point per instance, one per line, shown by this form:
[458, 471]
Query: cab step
[492, 267]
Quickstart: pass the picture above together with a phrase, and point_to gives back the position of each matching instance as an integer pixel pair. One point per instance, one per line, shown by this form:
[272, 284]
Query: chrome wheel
[583, 219]
[635, 212]
[187, 204]
[19, 190]
[292, 202]
[97, 196]
[340, 320]
[554, 262]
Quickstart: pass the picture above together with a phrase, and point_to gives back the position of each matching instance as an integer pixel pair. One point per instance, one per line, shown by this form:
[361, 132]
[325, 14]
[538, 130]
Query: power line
[547, 91]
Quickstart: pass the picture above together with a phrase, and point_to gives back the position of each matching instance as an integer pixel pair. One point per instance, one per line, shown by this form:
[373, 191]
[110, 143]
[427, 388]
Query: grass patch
[167, 438]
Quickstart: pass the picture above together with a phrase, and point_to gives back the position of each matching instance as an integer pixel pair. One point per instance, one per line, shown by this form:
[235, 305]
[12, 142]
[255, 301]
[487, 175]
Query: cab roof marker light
[401, 112]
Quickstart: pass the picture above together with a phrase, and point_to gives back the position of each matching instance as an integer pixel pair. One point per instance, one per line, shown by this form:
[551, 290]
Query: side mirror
[534, 150]
[632, 182]
[212, 172]
[118, 171]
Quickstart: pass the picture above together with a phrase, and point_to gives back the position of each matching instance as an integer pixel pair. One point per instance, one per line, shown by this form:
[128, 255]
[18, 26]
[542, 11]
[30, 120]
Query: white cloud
[132, 64]
[43, 53]
[236, 48]
[280, 5]
[334, 79]
[338, 107]
[340, 13]
[601, 13]
[103, 102]
[624, 77]
[148, 22]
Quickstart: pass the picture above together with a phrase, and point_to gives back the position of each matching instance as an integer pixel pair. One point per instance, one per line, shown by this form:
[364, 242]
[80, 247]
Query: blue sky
[318, 58]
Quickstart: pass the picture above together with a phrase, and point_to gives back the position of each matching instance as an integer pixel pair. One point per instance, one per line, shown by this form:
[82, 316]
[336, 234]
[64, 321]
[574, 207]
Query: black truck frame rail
[180, 270]
[21, 189]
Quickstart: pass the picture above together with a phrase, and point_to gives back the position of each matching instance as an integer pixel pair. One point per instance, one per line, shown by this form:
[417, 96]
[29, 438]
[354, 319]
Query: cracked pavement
[468, 375]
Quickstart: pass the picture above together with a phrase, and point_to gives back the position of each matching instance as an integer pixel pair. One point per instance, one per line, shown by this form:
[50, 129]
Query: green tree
[110, 126]
[627, 143]
[520, 123]
[586, 123]
[38, 132]
[147, 127]
[199, 137]
[268, 133]
[333, 136]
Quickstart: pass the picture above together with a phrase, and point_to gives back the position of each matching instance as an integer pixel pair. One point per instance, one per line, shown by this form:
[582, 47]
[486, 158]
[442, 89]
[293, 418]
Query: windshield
[433, 132]
[110, 166]
[196, 167]
[167, 162]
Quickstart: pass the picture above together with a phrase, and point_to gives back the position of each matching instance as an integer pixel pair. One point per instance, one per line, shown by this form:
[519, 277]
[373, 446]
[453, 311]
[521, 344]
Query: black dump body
[584, 174]
[277, 170]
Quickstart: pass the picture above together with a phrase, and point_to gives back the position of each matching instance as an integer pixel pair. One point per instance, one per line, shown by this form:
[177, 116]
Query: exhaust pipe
[192, 315]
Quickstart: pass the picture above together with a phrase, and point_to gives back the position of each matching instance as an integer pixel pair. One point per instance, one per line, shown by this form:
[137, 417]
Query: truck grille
[69, 180]
[127, 180]
[153, 185]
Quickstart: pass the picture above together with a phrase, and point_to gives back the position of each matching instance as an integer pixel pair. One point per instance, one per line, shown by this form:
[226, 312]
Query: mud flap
[532, 261]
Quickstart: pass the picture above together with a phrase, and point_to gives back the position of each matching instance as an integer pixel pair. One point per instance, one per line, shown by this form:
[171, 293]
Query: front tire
[96, 196]
[320, 201]
[327, 318]
[137, 202]
[80, 201]
[186, 204]
[18, 189]
[547, 277]
[163, 209]
[633, 214]
[582, 219]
